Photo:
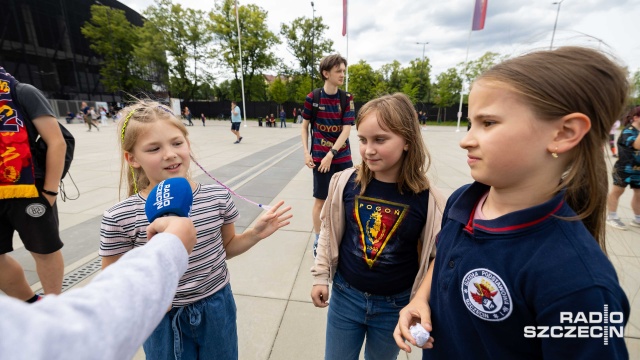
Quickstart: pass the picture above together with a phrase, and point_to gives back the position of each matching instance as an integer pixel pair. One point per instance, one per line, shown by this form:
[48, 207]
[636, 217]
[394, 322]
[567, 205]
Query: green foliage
[635, 87]
[204, 91]
[257, 41]
[112, 37]
[392, 77]
[186, 40]
[231, 90]
[255, 88]
[416, 77]
[197, 41]
[447, 88]
[306, 42]
[472, 69]
[223, 91]
[168, 20]
[363, 81]
[278, 91]
[298, 87]
[149, 56]
[178, 47]
[411, 91]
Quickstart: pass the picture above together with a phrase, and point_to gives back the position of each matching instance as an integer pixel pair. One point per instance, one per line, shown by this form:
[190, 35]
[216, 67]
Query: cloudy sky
[381, 31]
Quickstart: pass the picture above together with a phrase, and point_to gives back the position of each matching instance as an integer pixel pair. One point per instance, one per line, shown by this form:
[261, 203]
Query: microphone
[171, 197]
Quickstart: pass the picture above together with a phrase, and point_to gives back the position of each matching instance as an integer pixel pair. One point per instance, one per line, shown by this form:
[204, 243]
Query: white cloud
[381, 31]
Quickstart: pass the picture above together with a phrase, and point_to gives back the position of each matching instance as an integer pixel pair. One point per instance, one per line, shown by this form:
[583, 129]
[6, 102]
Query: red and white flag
[344, 17]
[479, 14]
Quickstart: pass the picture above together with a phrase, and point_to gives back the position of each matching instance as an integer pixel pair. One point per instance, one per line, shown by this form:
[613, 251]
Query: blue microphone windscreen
[170, 197]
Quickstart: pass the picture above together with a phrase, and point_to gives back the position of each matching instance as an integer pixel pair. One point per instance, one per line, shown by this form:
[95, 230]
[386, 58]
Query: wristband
[334, 152]
[52, 193]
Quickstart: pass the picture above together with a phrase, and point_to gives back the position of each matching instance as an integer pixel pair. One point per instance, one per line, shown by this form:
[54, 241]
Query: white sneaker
[617, 223]
[634, 223]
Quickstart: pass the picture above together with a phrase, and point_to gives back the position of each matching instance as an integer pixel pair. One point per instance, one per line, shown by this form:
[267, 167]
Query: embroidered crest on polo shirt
[486, 296]
[35, 210]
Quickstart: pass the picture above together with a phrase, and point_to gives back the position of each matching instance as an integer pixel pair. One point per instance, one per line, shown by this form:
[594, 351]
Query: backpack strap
[344, 101]
[315, 104]
[344, 97]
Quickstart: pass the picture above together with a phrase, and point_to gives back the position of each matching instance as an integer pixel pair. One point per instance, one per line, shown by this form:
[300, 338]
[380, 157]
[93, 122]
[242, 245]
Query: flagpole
[477, 23]
[466, 58]
[347, 34]
[347, 86]
[244, 106]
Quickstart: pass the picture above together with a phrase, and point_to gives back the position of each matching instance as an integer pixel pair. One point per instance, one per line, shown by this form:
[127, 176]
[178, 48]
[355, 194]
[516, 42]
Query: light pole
[559, 3]
[313, 38]
[424, 44]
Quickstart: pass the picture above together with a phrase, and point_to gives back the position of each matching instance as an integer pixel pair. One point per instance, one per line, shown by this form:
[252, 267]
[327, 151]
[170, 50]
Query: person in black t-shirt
[386, 211]
[34, 215]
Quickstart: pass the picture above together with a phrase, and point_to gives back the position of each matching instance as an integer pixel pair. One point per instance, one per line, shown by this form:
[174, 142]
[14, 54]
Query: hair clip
[165, 109]
[124, 125]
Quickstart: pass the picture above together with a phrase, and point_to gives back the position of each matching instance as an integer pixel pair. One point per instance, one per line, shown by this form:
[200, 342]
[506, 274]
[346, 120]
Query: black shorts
[321, 180]
[235, 126]
[35, 221]
[623, 179]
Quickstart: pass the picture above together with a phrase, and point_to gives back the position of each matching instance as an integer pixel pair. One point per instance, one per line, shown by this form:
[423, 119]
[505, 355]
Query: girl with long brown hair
[521, 251]
[378, 231]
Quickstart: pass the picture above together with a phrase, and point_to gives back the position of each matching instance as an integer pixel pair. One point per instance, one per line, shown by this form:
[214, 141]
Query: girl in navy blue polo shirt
[378, 229]
[521, 270]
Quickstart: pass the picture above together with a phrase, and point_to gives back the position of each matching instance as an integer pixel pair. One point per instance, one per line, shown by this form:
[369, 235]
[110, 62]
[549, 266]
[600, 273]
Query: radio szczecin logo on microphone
[603, 325]
[163, 195]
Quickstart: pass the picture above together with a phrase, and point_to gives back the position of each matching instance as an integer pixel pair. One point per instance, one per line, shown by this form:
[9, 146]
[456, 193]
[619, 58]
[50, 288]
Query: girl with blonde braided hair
[154, 145]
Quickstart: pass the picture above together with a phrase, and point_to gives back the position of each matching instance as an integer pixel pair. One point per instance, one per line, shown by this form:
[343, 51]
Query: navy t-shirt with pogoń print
[379, 248]
[328, 126]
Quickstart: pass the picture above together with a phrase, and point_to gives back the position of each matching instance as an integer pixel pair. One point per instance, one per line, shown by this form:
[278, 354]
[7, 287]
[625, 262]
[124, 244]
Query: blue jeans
[354, 314]
[205, 329]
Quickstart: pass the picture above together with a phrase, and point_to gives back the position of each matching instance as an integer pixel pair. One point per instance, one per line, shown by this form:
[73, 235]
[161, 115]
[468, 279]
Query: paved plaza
[272, 282]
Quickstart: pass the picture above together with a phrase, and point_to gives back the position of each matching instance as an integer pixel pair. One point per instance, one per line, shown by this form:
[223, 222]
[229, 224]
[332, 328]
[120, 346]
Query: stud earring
[555, 154]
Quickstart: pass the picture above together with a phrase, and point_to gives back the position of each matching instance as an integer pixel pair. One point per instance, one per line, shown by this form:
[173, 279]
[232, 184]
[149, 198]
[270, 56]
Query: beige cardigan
[332, 230]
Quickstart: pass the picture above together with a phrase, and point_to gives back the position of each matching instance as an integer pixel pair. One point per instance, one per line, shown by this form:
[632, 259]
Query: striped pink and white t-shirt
[124, 228]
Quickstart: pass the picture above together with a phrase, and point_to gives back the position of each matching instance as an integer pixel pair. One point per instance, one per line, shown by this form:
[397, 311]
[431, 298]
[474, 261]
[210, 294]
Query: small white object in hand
[419, 334]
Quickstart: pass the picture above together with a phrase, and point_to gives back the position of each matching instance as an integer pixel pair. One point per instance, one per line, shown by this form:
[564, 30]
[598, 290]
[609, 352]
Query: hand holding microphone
[168, 208]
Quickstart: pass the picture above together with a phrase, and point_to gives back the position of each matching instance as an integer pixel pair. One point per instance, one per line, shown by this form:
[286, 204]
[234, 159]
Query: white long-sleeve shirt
[108, 319]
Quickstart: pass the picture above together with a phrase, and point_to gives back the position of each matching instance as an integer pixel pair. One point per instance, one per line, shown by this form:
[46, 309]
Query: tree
[186, 40]
[112, 37]
[363, 81]
[306, 42]
[225, 90]
[278, 91]
[167, 18]
[416, 79]
[392, 77]
[150, 56]
[256, 89]
[204, 90]
[635, 87]
[198, 39]
[298, 87]
[472, 69]
[446, 89]
[257, 41]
